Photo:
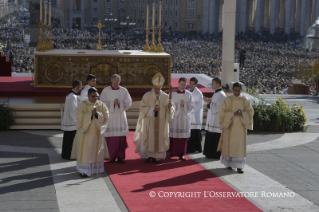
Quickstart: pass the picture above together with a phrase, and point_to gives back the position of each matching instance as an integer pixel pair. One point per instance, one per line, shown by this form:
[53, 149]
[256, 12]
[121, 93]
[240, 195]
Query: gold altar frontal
[59, 68]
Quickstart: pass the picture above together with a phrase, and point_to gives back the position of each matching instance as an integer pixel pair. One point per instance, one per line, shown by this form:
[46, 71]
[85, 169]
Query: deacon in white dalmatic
[152, 128]
[212, 127]
[236, 117]
[89, 147]
[118, 100]
[180, 126]
[195, 141]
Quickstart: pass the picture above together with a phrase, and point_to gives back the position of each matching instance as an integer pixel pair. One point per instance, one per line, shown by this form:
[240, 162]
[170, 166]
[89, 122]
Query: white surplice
[84, 93]
[72, 101]
[196, 115]
[117, 124]
[212, 121]
[180, 126]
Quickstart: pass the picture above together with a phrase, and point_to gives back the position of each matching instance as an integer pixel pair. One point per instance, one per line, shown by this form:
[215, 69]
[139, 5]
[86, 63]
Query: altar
[59, 68]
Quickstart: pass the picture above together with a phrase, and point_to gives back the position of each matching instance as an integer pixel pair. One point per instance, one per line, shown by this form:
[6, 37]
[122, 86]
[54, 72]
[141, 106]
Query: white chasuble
[117, 125]
[89, 146]
[196, 116]
[151, 134]
[212, 121]
[180, 126]
[233, 139]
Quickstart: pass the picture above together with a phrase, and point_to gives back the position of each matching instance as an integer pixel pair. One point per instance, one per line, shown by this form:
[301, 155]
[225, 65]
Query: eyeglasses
[94, 96]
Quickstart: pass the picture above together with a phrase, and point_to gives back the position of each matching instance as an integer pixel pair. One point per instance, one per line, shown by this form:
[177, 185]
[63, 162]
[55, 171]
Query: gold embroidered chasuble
[233, 139]
[89, 145]
[152, 133]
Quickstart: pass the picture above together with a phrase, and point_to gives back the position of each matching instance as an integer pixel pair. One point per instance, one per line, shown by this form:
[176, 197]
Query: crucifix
[99, 46]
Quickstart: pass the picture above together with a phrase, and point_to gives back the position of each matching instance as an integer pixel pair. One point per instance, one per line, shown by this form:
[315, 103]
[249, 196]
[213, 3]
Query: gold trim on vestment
[156, 127]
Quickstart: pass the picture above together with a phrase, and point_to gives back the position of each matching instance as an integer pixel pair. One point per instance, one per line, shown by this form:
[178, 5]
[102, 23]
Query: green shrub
[279, 117]
[6, 116]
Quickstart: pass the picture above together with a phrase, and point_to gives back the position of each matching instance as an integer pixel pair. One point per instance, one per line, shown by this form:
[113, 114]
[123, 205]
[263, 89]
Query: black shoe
[83, 175]
[147, 160]
[229, 167]
[182, 158]
[120, 160]
[240, 171]
[113, 161]
[157, 161]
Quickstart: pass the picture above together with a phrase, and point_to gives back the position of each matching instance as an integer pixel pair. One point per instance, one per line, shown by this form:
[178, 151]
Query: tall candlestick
[40, 10]
[153, 21]
[45, 12]
[147, 15]
[160, 14]
[49, 13]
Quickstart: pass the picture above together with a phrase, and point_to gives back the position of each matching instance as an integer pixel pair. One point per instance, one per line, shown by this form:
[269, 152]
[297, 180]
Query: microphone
[156, 112]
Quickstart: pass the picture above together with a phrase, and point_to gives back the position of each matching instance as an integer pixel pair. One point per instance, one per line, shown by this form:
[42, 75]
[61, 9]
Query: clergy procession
[169, 124]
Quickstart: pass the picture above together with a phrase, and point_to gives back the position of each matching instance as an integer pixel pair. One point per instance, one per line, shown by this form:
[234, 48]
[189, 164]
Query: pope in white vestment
[89, 147]
[118, 100]
[236, 116]
[69, 128]
[195, 141]
[152, 129]
[180, 126]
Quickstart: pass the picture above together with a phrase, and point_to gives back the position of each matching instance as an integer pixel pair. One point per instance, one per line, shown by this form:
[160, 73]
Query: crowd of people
[271, 61]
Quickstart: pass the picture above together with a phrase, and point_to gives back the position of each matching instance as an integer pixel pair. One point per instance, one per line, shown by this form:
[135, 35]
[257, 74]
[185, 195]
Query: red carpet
[20, 86]
[135, 180]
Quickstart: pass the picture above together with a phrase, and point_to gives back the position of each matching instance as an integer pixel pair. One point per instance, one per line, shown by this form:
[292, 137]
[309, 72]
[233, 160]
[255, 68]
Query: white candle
[147, 15]
[153, 21]
[160, 14]
[50, 13]
[40, 10]
[45, 12]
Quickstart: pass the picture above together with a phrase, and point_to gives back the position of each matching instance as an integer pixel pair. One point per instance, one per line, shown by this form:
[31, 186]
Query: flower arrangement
[279, 117]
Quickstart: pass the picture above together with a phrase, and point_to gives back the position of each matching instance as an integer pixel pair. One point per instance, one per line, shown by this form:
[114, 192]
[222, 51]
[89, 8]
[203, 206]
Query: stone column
[228, 42]
[282, 14]
[206, 8]
[293, 15]
[259, 15]
[34, 23]
[273, 16]
[216, 16]
[70, 13]
[303, 17]
[266, 14]
[277, 13]
[288, 16]
[242, 16]
[298, 16]
[82, 14]
[308, 15]
[221, 12]
[317, 10]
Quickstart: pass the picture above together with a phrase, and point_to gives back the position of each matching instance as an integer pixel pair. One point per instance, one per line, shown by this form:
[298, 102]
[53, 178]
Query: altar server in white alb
[212, 127]
[180, 126]
[156, 111]
[118, 100]
[69, 118]
[91, 82]
[89, 147]
[195, 141]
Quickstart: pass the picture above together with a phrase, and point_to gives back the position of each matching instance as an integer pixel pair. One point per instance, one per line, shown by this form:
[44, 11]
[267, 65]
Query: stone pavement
[33, 177]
